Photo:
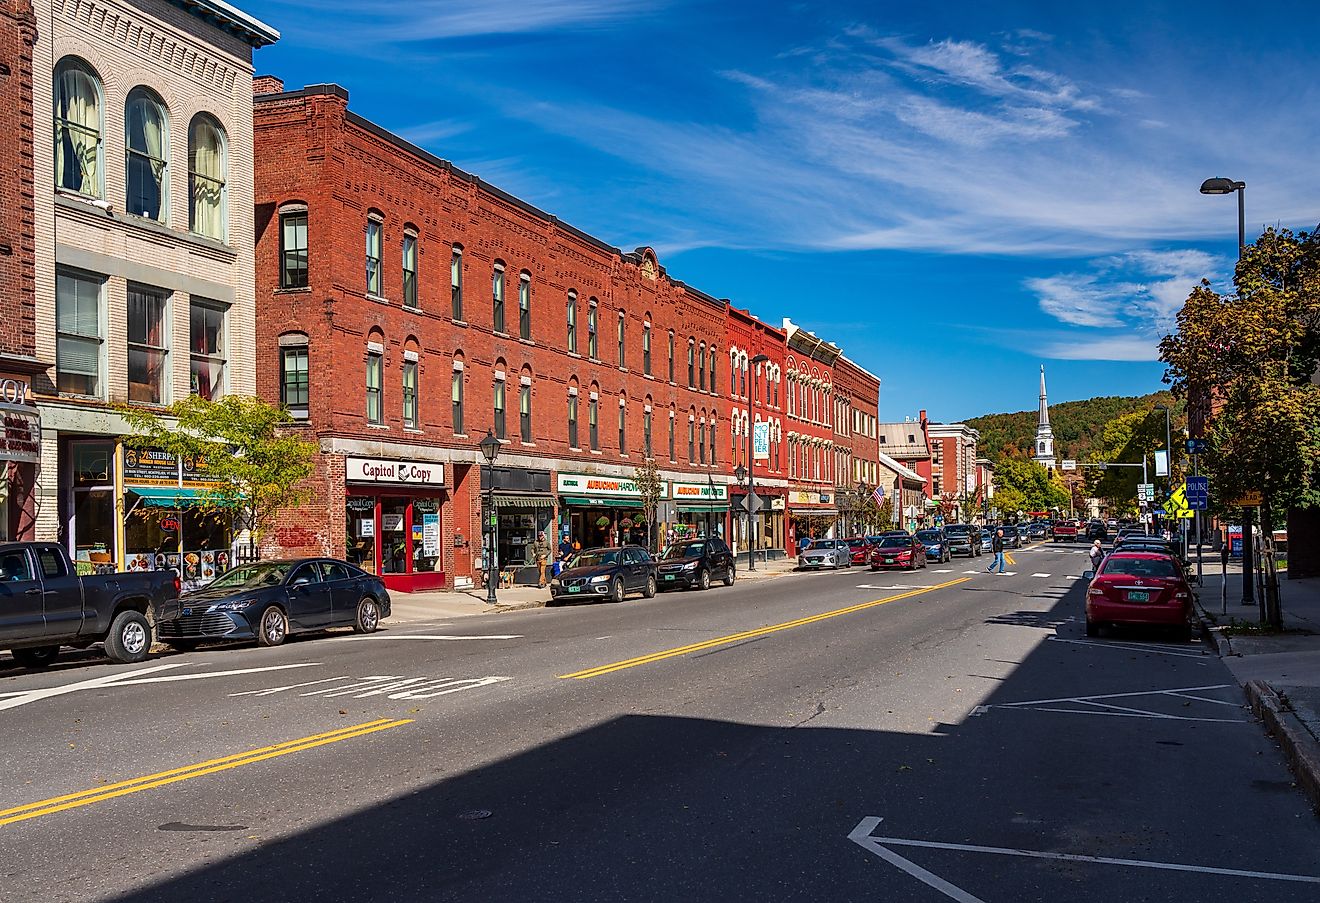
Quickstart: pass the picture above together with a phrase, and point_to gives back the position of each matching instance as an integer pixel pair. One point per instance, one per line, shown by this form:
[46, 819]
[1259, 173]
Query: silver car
[826, 553]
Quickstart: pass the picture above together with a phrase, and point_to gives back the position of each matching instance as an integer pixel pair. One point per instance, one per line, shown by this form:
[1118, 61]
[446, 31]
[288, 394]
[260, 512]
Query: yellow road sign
[1248, 500]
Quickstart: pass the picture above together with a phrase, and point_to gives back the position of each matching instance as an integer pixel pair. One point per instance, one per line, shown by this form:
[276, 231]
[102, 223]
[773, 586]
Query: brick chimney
[267, 84]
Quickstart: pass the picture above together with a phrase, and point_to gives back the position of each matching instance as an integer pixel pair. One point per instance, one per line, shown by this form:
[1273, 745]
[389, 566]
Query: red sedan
[1144, 588]
[906, 552]
[859, 547]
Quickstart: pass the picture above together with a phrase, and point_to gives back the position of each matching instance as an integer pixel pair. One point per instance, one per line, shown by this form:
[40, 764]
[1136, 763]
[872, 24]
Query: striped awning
[518, 500]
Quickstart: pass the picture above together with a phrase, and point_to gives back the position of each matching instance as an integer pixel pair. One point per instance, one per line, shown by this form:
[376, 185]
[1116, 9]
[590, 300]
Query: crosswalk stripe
[1040, 575]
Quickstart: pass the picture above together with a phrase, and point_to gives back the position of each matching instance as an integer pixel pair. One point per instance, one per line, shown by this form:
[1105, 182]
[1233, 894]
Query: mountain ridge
[1078, 425]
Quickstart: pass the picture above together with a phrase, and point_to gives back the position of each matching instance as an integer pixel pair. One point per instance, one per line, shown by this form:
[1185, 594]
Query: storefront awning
[166, 496]
[517, 500]
[602, 503]
[698, 508]
[814, 512]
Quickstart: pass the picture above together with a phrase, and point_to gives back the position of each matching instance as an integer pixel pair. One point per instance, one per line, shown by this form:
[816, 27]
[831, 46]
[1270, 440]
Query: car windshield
[928, 535]
[1139, 567]
[822, 545]
[856, 543]
[683, 550]
[894, 542]
[253, 575]
[956, 531]
[591, 558]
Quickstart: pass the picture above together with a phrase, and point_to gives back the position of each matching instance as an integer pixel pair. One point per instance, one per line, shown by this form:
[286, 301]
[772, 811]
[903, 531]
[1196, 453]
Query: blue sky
[955, 194]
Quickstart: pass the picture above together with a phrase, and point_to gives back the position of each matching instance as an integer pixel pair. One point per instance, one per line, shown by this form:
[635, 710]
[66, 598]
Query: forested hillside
[1078, 426]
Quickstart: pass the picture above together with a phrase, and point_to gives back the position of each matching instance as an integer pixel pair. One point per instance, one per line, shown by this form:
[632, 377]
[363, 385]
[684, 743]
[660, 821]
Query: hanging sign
[761, 440]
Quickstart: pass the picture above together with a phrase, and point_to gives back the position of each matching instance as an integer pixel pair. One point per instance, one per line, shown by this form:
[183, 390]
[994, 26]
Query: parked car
[936, 543]
[1129, 533]
[45, 604]
[1146, 588]
[1097, 529]
[906, 552]
[964, 539]
[269, 600]
[1065, 531]
[826, 553]
[858, 546]
[987, 539]
[1037, 531]
[695, 562]
[606, 573]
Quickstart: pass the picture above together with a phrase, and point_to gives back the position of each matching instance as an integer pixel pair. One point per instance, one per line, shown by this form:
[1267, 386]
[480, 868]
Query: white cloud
[1104, 348]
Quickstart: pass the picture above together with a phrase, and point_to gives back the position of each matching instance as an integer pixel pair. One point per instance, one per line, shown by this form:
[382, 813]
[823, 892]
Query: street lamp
[740, 477]
[490, 448]
[1221, 185]
[859, 528]
[751, 466]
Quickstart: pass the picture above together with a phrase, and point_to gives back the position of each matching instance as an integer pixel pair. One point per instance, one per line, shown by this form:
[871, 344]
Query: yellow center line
[1008, 559]
[747, 634]
[211, 766]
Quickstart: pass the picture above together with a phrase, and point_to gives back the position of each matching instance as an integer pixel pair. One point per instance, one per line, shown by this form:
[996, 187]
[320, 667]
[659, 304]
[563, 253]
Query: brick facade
[856, 407]
[809, 393]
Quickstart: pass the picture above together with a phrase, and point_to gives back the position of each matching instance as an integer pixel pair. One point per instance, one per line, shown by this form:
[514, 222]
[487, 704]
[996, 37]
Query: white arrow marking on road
[28, 696]
[174, 677]
[435, 636]
[861, 835]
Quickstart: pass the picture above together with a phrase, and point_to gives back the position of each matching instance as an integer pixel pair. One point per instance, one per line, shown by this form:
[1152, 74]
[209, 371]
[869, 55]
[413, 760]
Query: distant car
[1097, 529]
[1130, 533]
[1145, 588]
[605, 573]
[269, 600]
[1065, 531]
[1012, 538]
[937, 545]
[1037, 531]
[826, 553]
[695, 562]
[987, 539]
[858, 546]
[906, 552]
[964, 539]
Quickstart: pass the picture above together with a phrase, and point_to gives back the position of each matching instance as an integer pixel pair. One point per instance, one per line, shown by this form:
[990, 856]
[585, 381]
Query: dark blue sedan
[937, 545]
[269, 600]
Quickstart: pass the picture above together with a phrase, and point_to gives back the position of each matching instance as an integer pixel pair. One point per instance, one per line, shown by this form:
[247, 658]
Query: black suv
[1097, 529]
[696, 562]
[605, 573]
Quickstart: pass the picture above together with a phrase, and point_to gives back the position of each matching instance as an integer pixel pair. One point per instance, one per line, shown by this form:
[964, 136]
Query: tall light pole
[751, 465]
[740, 477]
[490, 447]
[1228, 186]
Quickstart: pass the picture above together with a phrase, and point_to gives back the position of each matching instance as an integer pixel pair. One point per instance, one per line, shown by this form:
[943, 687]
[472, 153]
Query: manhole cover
[475, 814]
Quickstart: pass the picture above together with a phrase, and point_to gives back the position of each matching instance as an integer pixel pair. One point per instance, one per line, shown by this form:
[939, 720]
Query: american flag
[878, 493]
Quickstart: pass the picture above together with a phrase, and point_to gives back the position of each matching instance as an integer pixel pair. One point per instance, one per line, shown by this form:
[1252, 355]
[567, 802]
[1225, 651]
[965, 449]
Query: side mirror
[1088, 575]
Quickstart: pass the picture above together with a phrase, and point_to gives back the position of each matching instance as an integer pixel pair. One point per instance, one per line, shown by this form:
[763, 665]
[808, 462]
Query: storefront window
[393, 536]
[206, 542]
[426, 534]
[93, 502]
[360, 529]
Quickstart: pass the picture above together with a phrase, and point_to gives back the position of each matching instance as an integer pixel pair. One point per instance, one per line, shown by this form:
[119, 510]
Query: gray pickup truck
[45, 604]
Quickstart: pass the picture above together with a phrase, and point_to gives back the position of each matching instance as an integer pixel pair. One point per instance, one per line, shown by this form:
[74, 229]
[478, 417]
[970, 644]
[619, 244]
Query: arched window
[573, 413]
[712, 369]
[410, 361]
[593, 417]
[78, 128]
[525, 305]
[623, 325]
[375, 226]
[456, 394]
[673, 416]
[525, 404]
[623, 423]
[146, 146]
[593, 340]
[456, 281]
[206, 177]
[408, 261]
[646, 351]
[646, 428]
[498, 401]
[701, 372]
[692, 363]
[497, 296]
[375, 376]
[570, 318]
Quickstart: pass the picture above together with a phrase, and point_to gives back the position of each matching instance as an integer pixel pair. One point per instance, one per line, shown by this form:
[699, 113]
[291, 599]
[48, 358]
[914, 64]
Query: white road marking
[942, 571]
[861, 835]
[390, 685]
[974, 572]
[1115, 695]
[1093, 705]
[126, 679]
[435, 636]
[1040, 575]
[1008, 573]
[1131, 647]
[174, 677]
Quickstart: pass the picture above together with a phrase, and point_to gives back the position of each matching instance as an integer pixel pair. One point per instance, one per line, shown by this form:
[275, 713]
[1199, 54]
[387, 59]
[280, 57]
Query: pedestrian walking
[1097, 555]
[997, 546]
[541, 550]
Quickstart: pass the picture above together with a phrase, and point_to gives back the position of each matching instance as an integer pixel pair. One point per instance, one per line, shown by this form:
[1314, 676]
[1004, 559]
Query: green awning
[602, 503]
[167, 496]
[699, 508]
[513, 500]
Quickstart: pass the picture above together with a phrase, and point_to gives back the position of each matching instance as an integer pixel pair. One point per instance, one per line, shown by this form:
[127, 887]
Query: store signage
[431, 535]
[384, 470]
[804, 498]
[150, 467]
[761, 440]
[21, 439]
[169, 524]
[704, 492]
[585, 484]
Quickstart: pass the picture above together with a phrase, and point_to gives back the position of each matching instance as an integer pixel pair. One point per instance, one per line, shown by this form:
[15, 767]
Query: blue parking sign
[1198, 493]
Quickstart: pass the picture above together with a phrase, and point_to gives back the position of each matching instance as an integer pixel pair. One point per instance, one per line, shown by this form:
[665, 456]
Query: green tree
[1027, 486]
[241, 443]
[651, 488]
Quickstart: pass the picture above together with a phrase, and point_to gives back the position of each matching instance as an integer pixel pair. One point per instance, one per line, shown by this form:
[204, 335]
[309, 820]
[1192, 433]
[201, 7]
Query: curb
[1299, 747]
[1216, 634]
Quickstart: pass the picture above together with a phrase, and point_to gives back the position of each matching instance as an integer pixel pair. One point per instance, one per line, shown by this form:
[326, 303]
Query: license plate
[669, 576]
[1138, 597]
[186, 612]
[889, 561]
[575, 589]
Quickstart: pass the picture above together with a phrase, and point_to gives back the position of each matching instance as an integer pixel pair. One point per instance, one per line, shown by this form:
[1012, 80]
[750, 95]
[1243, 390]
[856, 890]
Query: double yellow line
[747, 634]
[211, 766]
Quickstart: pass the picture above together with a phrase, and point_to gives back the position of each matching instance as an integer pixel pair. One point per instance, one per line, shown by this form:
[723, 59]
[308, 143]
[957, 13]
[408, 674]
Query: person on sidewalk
[1097, 555]
[542, 550]
[997, 546]
[565, 553]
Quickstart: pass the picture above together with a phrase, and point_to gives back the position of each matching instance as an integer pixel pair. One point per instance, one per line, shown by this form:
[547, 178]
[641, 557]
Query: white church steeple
[1044, 451]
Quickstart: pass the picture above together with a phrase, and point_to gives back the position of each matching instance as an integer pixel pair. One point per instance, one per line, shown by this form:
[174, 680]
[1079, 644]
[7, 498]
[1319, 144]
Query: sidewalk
[1279, 671]
[465, 603]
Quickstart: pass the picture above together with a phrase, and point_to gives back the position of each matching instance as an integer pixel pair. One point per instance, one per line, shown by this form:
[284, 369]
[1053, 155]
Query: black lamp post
[859, 528]
[490, 448]
[740, 475]
[1228, 186]
[751, 465]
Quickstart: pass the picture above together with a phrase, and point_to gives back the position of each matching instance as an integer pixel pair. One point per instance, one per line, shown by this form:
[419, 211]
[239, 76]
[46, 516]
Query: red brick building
[20, 438]
[756, 395]
[406, 307]
[809, 417]
[856, 459]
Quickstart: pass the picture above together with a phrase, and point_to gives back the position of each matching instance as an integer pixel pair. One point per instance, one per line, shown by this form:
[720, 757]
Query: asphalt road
[836, 736]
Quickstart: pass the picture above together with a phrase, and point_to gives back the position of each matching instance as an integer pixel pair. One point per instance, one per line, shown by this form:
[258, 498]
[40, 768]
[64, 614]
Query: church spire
[1044, 405]
[1044, 451]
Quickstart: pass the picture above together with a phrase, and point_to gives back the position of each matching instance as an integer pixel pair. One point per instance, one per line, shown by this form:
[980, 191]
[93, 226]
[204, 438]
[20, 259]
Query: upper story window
[497, 297]
[456, 282]
[671, 360]
[206, 177]
[498, 402]
[692, 364]
[78, 129]
[206, 346]
[79, 362]
[375, 379]
[374, 228]
[593, 418]
[524, 305]
[410, 390]
[146, 146]
[701, 367]
[646, 348]
[525, 405]
[148, 345]
[410, 269]
[456, 396]
[570, 318]
[623, 325]
[593, 340]
[712, 369]
[623, 424]
[293, 247]
[294, 382]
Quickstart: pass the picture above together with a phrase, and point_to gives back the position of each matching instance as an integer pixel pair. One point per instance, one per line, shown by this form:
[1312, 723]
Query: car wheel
[182, 645]
[703, 579]
[129, 639]
[730, 575]
[368, 616]
[649, 592]
[39, 657]
[1092, 628]
[875, 567]
[273, 627]
[616, 590]
[1182, 633]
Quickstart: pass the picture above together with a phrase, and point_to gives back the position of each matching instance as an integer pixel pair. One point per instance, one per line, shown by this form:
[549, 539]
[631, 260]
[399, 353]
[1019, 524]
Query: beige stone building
[144, 259]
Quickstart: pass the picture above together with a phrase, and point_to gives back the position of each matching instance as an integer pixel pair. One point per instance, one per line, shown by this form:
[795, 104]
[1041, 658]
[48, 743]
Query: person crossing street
[997, 546]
